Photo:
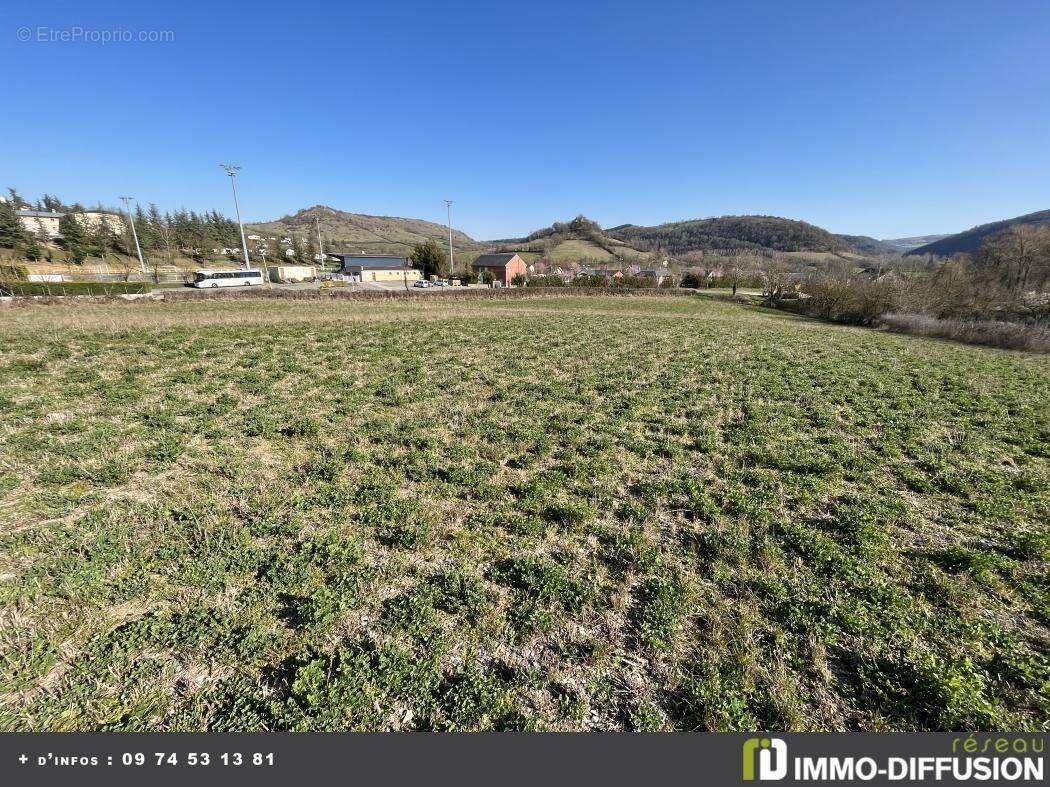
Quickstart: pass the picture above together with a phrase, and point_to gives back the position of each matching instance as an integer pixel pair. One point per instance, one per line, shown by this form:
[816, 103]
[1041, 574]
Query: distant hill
[357, 232]
[868, 245]
[582, 240]
[902, 245]
[970, 240]
[579, 240]
[734, 233]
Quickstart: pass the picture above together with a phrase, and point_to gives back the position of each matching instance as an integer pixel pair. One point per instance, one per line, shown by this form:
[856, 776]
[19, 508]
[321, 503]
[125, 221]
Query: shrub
[50, 289]
[692, 281]
[994, 333]
[854, 302]
[635, 282]
[546, 281]
[13, 271]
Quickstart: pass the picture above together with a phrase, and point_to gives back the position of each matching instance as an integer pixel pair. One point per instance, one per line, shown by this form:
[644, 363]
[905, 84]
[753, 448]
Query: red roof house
[503, 267]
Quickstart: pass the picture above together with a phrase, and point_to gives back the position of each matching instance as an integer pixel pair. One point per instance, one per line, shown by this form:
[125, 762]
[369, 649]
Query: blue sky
[881, 118]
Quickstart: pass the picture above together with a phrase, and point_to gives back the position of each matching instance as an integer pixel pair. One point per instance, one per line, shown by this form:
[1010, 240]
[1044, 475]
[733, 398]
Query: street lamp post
[451, 262]
[134, 234]
[320, 242]
[231, 170]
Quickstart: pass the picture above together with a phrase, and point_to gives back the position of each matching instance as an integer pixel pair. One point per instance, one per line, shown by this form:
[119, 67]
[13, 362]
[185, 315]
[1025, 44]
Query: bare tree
[166, 235]
[1020, 256]
[775, 278]
[733, 277]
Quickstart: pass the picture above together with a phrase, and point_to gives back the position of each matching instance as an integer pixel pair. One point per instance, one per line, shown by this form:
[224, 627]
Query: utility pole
[134, 234]
[451, 262]
[231, 170]
[320, 241]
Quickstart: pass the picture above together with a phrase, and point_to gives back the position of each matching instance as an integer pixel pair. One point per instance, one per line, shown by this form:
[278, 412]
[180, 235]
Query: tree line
[1003, 289]
[161, 235]
[727, 233]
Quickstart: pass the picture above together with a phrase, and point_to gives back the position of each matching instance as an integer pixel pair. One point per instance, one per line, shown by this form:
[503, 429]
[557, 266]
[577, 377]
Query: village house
[656, 275]
[607, 273]
[546, 269]
[503, 267]
[377, 267]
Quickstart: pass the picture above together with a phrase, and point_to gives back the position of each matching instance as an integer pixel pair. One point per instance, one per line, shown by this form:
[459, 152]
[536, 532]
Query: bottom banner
[515, 758]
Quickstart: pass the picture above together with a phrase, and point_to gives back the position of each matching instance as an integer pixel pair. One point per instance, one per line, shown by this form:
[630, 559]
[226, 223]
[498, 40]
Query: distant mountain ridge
[359, 232]
[584, 240]
[970, 241]
[907, 244]
[865, 244]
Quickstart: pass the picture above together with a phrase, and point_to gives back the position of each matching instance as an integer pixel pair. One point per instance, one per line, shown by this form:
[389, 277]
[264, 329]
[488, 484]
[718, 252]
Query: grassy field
[553, 514]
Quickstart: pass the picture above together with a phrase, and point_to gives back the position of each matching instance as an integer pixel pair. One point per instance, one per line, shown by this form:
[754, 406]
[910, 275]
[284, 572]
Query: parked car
[421, 284]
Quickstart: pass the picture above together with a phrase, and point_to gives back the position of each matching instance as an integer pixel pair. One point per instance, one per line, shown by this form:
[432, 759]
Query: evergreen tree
[142, 227]
[181, 231]
[43, 239]
[52, 203]
[73, 238]
[12, 233]
[33, 250]
[155, 228]
[101, 239]
[429, 258]
[16, 200]
[200, 237]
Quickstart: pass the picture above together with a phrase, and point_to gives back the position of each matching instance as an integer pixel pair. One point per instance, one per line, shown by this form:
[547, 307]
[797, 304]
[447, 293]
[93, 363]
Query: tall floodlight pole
[134, 234]
[231, 170]
[320, 241]
[451, 262]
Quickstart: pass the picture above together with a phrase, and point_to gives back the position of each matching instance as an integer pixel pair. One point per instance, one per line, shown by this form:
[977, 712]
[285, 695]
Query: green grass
[550, 514]
[579, 250]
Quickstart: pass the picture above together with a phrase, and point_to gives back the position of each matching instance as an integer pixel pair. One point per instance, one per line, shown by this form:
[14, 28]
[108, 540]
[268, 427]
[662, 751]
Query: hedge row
[454, 294]
[50, 289]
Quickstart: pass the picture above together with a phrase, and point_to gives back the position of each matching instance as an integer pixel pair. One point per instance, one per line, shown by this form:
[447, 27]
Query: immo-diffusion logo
[771, 756]
[1003, 758]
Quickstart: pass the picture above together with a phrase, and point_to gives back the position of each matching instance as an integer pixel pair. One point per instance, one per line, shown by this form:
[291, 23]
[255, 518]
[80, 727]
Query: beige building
[45, 222]
[378, 267]
[42, 223]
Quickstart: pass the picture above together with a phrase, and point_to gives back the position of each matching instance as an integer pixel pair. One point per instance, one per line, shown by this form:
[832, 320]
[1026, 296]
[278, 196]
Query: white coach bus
[245, 277]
